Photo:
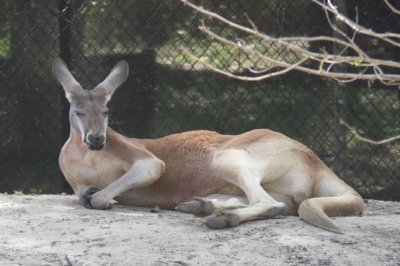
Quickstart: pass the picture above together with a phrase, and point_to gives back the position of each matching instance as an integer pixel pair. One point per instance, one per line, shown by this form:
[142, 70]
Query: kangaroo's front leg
[144, 172]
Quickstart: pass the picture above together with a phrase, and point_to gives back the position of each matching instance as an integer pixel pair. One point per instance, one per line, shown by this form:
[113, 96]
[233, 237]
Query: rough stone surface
[57, 230]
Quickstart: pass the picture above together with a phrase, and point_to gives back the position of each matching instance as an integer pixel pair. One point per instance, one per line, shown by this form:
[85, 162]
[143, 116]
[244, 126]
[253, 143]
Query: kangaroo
[229, 179]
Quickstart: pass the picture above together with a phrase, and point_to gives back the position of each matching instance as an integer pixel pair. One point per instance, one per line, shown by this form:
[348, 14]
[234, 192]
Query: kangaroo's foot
[232, 218]
[197, 206]
[222, 220]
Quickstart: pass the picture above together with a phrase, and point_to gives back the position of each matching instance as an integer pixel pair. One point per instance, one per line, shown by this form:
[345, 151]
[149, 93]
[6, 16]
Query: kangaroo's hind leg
[237, 167]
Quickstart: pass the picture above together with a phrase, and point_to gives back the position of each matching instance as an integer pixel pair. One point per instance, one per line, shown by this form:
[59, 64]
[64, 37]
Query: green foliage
[5, 47]
[5, 32]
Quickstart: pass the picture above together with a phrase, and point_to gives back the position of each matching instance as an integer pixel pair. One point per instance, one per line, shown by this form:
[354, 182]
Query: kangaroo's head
[88, 114]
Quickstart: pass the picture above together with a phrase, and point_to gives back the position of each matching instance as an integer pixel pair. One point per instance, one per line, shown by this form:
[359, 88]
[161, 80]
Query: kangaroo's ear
[68, 82]
[117, 76]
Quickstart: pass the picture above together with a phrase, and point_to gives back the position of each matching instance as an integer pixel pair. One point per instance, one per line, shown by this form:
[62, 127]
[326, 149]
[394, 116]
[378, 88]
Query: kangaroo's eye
[105, 113]
[79, 114]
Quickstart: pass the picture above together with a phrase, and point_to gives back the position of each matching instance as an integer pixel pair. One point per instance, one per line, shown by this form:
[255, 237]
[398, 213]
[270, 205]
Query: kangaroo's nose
[96, 139]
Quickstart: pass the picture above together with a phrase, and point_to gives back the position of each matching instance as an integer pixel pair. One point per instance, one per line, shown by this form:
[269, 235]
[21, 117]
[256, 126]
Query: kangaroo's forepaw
[87, 196]
[92, 199]
[197, 206]
[221, 221]
[98, 202]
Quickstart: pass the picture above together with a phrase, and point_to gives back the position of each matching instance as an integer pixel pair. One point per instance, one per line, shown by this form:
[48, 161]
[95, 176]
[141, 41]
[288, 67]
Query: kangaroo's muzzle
[95, 142]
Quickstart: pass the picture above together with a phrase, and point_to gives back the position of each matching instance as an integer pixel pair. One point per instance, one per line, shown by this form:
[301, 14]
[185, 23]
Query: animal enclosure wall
[169, 92]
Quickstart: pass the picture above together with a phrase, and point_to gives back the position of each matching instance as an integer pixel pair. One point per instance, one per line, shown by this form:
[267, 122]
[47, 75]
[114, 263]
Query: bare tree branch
[363, 139]
[361, 66]
[394, 10]
[386, 37]
[246, 78]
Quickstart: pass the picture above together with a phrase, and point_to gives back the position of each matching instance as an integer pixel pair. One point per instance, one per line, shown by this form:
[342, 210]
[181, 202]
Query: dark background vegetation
[169, 92]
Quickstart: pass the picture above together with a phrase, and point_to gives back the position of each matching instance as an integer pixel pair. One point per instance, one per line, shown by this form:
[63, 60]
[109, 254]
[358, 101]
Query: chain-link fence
[168, 92]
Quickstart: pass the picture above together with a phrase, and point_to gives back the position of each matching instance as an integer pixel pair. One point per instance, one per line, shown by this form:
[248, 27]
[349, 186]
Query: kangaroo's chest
[92, 169]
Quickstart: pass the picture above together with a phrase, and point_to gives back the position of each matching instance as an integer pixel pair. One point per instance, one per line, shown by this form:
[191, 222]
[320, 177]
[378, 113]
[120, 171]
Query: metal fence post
[340, 142]
[64, 26]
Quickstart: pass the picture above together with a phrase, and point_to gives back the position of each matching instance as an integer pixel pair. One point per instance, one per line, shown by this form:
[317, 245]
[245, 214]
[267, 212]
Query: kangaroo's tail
[317, 210]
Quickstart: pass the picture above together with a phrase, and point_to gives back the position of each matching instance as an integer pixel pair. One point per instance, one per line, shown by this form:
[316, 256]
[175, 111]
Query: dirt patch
[57, 230]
